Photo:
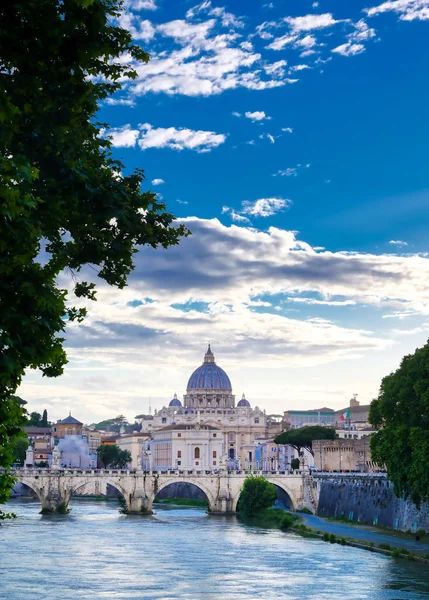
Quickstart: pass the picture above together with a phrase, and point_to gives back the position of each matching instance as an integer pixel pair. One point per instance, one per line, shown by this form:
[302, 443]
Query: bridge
[54, 488]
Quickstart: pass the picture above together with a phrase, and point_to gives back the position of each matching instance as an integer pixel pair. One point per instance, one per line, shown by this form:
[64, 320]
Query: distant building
[68, 426]
[41, 442]
[303, 418]
[187, 447]
[93, 437]
[354, 416]
[209, 401]
[133, 442]
[75, 453]
[343, 455]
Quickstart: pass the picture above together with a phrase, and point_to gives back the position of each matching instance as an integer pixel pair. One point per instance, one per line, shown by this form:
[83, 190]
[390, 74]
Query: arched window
[197, 453]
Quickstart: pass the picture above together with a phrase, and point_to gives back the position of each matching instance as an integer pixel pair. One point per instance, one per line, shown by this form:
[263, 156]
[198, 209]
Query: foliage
[303, 438]
[10, 430]
[111, 456]
[35, 419]
[257, 494]
[401, 413]
[42, 464]
[184, 502]
[45, 418]
[113, 425]
[65, 202]
[294, 463]
[19, 448]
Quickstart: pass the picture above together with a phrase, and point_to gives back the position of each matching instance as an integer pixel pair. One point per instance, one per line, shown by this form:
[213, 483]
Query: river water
[182, 553]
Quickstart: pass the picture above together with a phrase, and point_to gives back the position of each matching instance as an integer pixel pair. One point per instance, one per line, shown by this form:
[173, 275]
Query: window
[179, 454]
[179, 435]
[215, 435]
[231, 437]
[256, 421]
[214, 454]
[164, 419]
[214, 462]
[179, 462]
[197, 453]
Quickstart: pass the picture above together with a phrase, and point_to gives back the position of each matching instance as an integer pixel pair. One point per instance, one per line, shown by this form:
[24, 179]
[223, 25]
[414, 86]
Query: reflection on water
[182, 553]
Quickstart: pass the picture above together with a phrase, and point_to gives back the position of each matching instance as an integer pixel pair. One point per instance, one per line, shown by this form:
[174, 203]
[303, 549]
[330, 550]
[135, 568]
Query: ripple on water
[184, 554]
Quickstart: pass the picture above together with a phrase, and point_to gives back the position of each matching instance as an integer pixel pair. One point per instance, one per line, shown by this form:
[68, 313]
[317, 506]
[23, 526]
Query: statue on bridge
[56, 458]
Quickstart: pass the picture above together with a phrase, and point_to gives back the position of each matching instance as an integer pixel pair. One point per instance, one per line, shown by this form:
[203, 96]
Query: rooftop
[70, 421]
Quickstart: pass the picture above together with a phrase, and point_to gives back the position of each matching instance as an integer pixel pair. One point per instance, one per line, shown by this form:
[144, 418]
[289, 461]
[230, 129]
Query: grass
[185, 502]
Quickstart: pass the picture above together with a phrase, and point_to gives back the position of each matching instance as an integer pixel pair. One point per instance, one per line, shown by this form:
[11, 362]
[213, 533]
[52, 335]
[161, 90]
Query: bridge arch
[206, 491]
[280, 485]
[31, 483]
[98, 486]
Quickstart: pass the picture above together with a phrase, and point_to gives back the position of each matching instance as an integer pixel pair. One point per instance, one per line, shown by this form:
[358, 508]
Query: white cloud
[289, 172]
[140, 5]
[123, 137]
[282, 41]
[265, 207]
[311, 22]
[398, 243]
[287, 129]
[157, 181]
[408, 10]
[257, 115]
[178, 138]
[298, 68]
[277, 67]
[139, 29]
[182, 201]
[349, 49]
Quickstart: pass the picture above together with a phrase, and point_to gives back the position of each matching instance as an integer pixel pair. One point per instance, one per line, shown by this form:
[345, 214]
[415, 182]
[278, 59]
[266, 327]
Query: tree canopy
[257, 495]
[110, 455]
[303, 438]
[401, 413]
[65, 201]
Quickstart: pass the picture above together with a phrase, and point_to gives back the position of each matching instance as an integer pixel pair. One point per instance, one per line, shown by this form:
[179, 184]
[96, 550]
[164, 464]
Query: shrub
[332, 539]
[257, 495]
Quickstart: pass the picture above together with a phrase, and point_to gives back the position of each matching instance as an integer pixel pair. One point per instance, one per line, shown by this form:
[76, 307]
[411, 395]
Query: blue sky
[293, 139]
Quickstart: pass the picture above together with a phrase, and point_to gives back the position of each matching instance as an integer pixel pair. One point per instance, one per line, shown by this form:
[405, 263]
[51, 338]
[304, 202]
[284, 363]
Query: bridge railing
[68, 472]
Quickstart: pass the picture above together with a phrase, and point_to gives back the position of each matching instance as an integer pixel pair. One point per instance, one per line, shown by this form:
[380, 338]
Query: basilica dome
[244, 402]
[209, 376]
[175, 402]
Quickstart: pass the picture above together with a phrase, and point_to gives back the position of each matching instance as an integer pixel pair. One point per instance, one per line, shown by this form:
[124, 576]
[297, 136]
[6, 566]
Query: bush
[385, 546]
[257, 495]
[332, 539]
[305, 511]
[326, 537]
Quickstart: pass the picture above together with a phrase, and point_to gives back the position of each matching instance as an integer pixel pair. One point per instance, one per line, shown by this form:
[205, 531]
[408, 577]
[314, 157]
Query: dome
[209, 376]
[244, 402]
[175, 401]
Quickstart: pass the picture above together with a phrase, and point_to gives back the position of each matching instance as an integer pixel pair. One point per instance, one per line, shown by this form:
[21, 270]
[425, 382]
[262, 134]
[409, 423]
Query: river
[182, 553]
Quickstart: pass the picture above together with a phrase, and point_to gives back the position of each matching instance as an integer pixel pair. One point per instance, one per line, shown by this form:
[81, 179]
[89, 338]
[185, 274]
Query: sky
[292, 138]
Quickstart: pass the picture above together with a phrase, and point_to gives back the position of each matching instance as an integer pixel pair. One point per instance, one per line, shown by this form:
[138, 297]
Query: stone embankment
[367, 498]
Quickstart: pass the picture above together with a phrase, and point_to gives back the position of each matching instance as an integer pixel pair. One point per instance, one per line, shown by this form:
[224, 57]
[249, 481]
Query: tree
[19, 448]
[35, 419]
[294, 463]
[257, 495]
[45, 419]
[112, 424]
[401, 413]
[65, 202]
[110, 455]
[303, 438]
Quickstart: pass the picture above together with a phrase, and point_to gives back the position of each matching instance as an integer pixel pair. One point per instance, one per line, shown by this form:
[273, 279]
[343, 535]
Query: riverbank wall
[368, 499]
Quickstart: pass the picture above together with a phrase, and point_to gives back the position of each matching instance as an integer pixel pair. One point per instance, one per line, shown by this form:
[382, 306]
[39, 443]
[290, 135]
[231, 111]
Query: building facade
[134, 442]
[209, 401]
[185, 447]
[295, 419]
[344, 455]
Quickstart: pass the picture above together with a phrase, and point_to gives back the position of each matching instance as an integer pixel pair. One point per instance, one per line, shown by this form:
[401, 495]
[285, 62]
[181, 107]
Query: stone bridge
[54, 488]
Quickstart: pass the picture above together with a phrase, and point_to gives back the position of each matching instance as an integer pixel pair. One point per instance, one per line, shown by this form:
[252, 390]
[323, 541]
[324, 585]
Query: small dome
[209, 376]
[175, 401]
[244, 402]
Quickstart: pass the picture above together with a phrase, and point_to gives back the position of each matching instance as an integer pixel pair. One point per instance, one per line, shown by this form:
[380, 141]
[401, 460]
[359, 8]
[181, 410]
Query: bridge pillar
[138, 504]
[223, 503]
[54, 498]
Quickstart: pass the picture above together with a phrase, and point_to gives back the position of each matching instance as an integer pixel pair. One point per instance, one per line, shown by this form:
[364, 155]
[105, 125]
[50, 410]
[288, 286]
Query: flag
[345, 415]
